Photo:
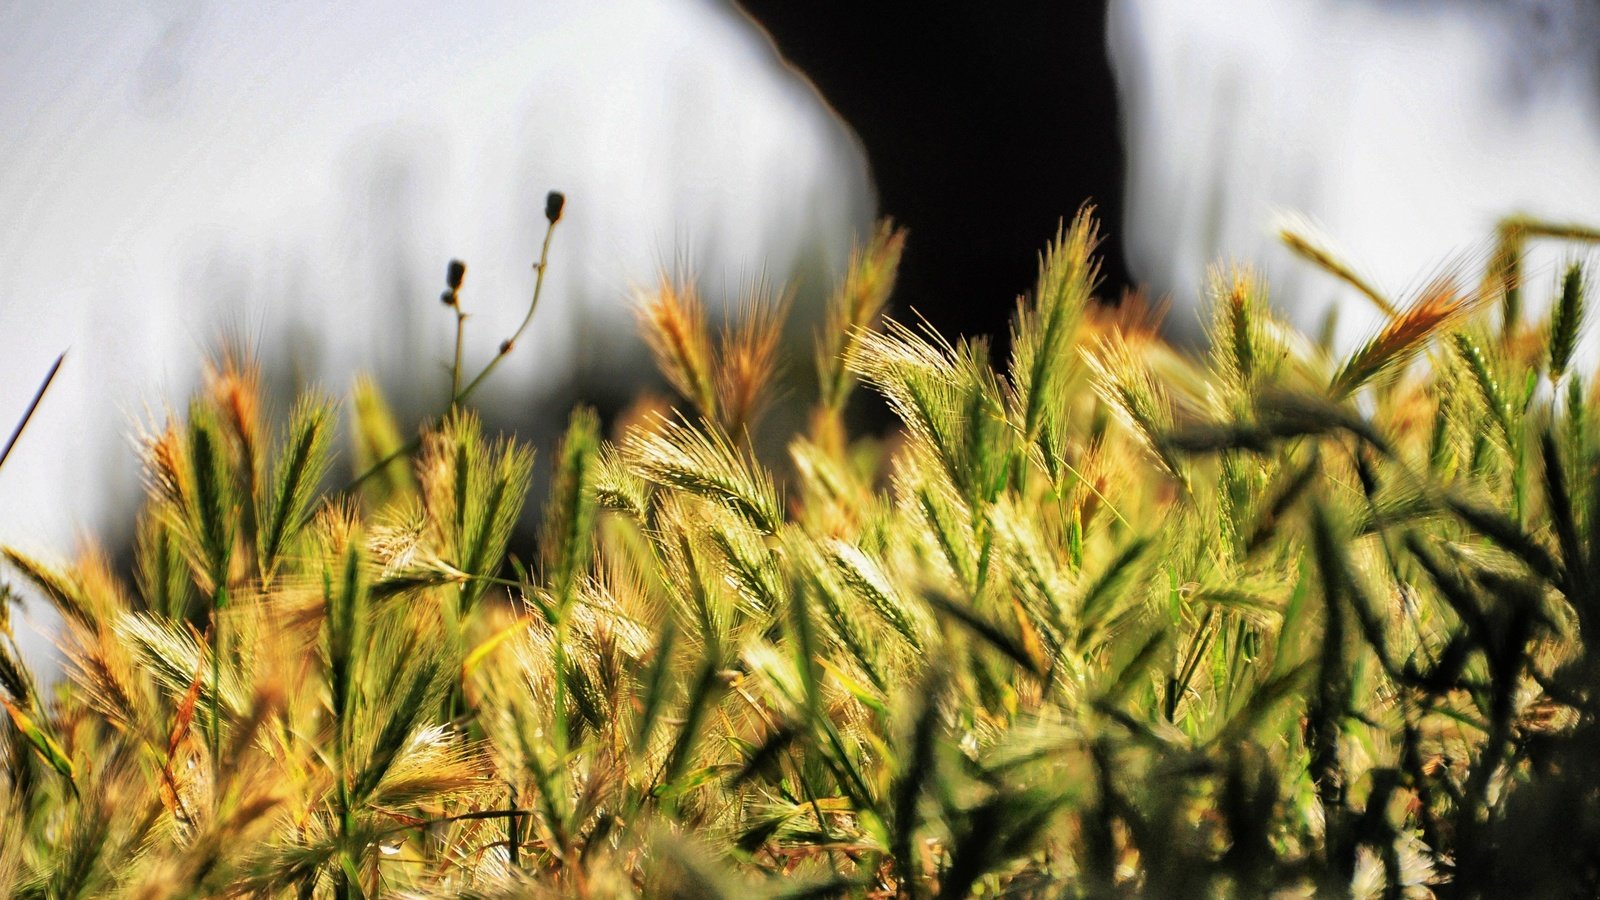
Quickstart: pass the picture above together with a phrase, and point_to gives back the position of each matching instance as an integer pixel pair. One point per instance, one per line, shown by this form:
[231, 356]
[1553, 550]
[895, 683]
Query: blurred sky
[300, 172]
[1406, 129]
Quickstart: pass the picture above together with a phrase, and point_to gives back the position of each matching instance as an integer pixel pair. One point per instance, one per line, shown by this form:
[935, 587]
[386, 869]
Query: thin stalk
[474, 815]
[455, 367]
[1199, 642]
[341, 776]
[341, 880]
[219, 601]
[458, 397]
[507, 345]
[513, 834]
[32, 406]
[561, 688]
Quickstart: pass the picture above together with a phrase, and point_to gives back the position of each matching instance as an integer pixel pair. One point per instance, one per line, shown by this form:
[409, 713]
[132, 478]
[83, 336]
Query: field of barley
[1097, 617]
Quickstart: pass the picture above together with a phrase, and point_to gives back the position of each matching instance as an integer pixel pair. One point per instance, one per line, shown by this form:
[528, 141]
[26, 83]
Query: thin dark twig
[461, 817]
[459, 397]
[32, 405]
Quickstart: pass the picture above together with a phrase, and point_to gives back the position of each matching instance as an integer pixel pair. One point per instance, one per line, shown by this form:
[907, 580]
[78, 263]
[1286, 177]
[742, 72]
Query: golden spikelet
[747, 359]
[110, 683]
[1135, 316]
[1303, 239]
[1439, 304]
[100, 588]
[857, 306]
[673, 321]
[166, 473]
[233, 383]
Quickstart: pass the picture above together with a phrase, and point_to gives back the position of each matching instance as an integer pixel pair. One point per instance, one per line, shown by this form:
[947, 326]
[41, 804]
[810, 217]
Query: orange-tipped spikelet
[166, 472]
[673, 321]
[1440, 304]
[747, 359]
[233, 382]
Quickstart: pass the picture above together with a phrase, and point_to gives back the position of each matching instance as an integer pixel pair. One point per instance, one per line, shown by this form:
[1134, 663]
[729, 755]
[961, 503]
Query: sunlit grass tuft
[1099, 619]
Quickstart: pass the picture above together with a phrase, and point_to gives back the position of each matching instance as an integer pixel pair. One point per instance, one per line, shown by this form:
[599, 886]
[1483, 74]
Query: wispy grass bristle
[1403, 336]
[1304, 241]
[673, 321]
[856, 307]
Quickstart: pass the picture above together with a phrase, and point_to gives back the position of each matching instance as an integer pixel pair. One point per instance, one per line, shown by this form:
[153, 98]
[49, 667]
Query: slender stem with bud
[510, 343]
[452, 298]
[554, 204]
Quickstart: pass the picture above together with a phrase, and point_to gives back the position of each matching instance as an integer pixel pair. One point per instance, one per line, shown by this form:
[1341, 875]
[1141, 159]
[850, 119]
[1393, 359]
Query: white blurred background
[298, 175]
[1406, 128]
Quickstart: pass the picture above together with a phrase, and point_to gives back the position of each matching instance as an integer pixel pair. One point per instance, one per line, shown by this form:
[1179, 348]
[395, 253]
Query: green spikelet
[302, 462]
[475, 489]
[1043, 330]
[566, 541]
[1566, 321]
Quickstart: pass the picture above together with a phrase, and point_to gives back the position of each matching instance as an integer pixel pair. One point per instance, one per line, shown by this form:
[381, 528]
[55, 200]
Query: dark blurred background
[983, 124]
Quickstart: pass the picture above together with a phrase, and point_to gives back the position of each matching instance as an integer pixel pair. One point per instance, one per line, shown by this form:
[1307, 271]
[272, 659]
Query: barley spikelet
[673, 321]
[856, 308]
[1126, 385]
[1439, 305]
[1566, 320]
[705, 463]
[1302, 239]
[1045, 325]
[747, 359]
